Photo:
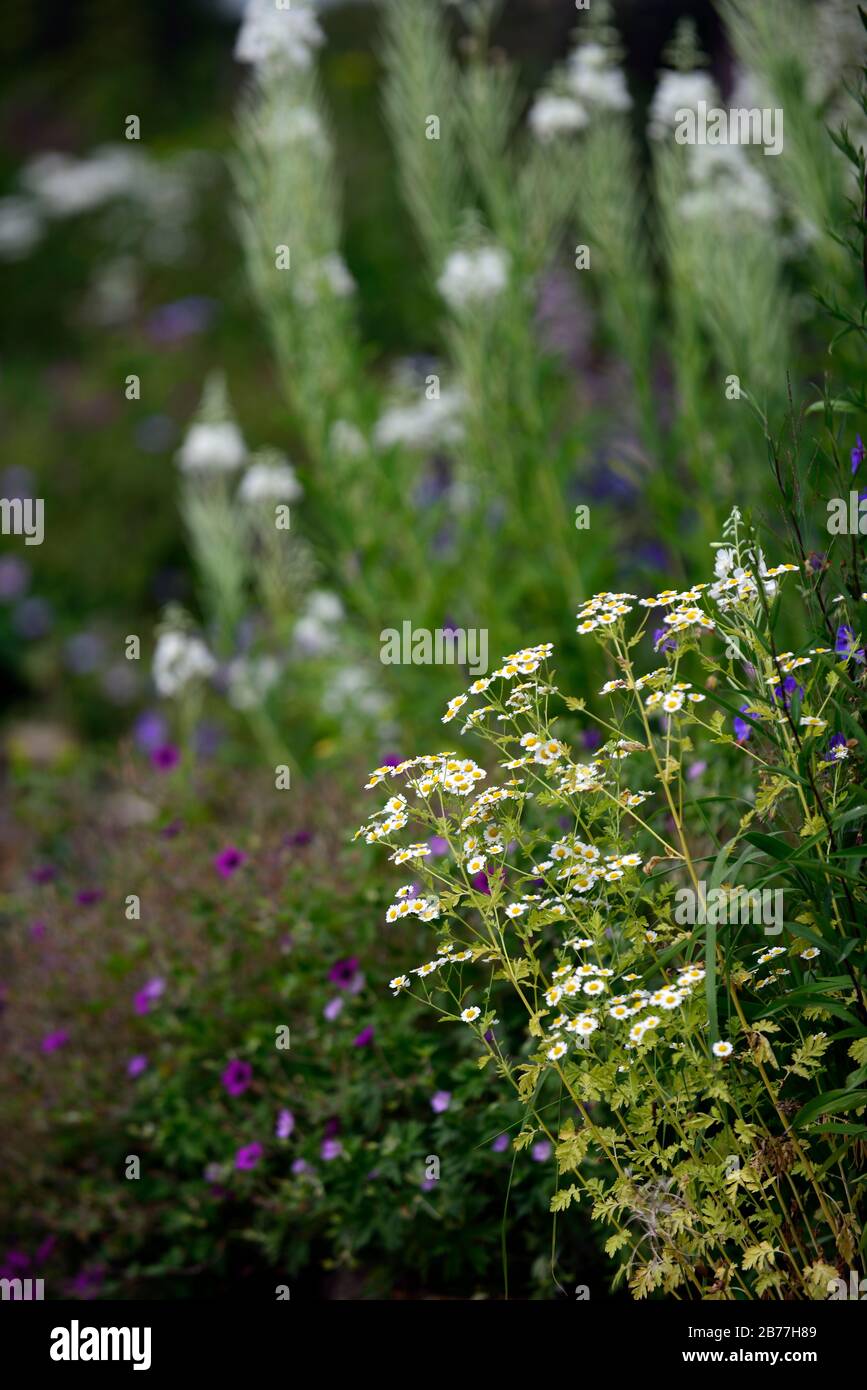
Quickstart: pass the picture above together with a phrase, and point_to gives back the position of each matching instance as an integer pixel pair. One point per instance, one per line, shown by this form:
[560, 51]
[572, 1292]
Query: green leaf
[829, 1104]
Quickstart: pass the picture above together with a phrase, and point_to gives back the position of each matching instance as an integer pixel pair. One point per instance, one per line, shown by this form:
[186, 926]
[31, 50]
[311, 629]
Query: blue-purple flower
[846, 645]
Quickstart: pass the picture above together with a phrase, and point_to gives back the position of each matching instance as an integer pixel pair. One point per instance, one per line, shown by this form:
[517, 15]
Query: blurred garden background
[167, 901]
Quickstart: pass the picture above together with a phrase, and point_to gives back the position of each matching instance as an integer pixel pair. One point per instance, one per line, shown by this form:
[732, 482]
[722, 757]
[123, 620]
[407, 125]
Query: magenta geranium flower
[365, 1037]
[229, 860]
[136, 1065]
[331, 1148]
[88, 896]
[248, 1156]
[237, 1077]
[343, 972]
[52, 1041]
[165, 757]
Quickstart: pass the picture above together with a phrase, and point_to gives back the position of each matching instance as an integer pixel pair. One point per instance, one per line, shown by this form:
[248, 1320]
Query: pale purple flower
[300, 1165]
[333, 1009]
[52, 1041]
[136, 1065]
[500, 1144]
[148, 995]
[331, 1148]
[541, 1151]
[285, 1124]
[440, 1101]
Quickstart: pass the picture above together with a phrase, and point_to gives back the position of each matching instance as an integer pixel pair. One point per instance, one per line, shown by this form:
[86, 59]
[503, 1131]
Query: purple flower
[14, 578]
[343, 972]
[300, 1165]
[591, 738]
[438, 845]
[88, 896]
[237, 1077]
[662, 640]
[32, 618]
[331, 1148]
[247, 1157]
[365, 1037]
[300, 838]
[285, 1124]
[229, 860]
[86, 1283]
[37, 931]
[500, 1144]
[45, 873]
[743, 730]
[170, 831]
[392, 760]
[789, 688]
[136, 1065]
[857, 454]
[541, 1151]
[440, 1101]
[165, 757]
[15, 1263]
[173, 322]
[148, 995]
[52, 1041]
[845, 644]
[333, 1009]
[836, 741]
[696, 770]
[84, 653]
[45, 1250]
[332, 1127]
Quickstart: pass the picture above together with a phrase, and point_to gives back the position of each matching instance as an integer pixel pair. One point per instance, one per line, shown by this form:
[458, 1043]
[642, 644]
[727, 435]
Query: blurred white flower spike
[213, 444]
[179, 659]
[277, 35]
[474, 277]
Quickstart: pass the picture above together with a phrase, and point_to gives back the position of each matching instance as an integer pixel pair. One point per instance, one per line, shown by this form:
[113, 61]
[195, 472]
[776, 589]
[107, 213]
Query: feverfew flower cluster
[583, 891]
